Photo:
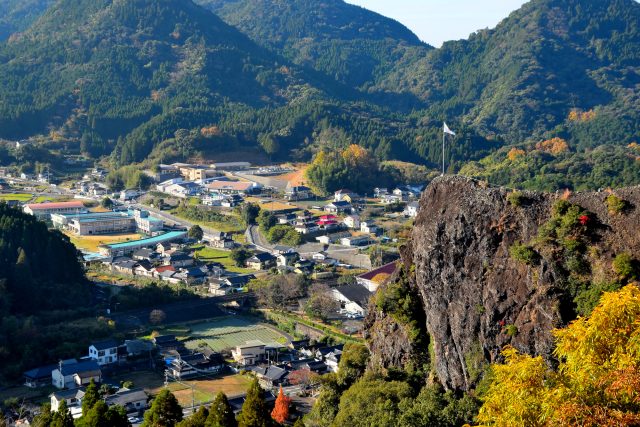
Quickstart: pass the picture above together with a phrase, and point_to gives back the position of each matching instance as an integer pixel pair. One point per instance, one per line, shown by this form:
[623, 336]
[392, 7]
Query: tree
[44, 418]
[91, 397]
[157, 316]
[321, 304]
[196, 233]
[106, 203]
[597, 382]
[164, 412]
[220, 413]
[353, 363]
[240, 256]
[280, 411]
[249, 212]
[304, 378]
[62, 417]
[198, 419]
[254, 409]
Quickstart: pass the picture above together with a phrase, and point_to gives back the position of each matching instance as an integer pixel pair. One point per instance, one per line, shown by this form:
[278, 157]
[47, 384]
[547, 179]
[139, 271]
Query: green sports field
[228, 332]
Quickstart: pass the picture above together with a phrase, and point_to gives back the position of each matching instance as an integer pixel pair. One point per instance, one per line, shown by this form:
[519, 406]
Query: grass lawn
[91, 243]
[20, 197]
[207, 254]
[228, 332]
[148, 380]
[206, 390]
[42, 199]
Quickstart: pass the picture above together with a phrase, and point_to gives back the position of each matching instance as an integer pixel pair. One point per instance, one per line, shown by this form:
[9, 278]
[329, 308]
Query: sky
[436, 21]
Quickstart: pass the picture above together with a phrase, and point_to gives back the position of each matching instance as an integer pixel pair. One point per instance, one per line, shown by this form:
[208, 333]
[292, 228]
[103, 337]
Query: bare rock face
[476, 297]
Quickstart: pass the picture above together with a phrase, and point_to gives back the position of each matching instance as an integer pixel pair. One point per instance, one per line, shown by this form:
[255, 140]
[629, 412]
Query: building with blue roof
[126, 248]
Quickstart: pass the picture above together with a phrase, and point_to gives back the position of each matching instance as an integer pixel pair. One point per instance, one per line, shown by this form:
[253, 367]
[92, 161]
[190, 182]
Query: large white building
[43, 211]
[104, 352]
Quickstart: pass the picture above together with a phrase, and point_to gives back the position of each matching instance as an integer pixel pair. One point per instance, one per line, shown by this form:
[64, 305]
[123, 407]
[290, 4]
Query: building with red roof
[43, 211]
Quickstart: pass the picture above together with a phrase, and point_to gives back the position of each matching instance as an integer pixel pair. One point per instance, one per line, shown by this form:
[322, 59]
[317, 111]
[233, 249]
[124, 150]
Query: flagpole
[444, 134]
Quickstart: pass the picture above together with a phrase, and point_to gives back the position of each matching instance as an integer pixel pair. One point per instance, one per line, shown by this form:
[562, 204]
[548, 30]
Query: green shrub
[587, 298]
[615, 204]
[523, 253]
[516, 198]
[577, 265]
[511, 330]
[625, 266]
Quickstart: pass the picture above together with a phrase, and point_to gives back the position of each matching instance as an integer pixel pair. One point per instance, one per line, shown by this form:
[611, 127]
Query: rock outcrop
[476, 297]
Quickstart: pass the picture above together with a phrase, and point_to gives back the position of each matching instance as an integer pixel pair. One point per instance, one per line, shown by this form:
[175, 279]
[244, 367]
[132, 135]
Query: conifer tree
[164, 412]
[280, 412]
[221, 414]
[198, 419]
[62, 417]
[91, 397]
[254, 410]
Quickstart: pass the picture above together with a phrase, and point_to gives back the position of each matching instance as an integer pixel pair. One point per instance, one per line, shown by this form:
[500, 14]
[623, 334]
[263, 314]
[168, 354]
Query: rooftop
[55, 205]
[104, 345]
[387, 269]
[171, 235]
[355, 292]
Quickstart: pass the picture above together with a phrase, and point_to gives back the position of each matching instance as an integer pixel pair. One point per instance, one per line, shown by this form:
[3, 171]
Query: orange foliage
[566, 194]
[280, 412]
[210, 131]
[514, 153]
[553, 146]
[354, 154]
[380, 278]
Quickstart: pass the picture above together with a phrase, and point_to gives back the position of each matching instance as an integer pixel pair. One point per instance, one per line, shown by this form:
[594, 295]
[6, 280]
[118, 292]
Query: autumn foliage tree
[280, 412]
[596, 384]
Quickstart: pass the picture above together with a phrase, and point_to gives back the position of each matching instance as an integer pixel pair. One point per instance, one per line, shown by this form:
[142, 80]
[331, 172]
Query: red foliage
[280, 412]
[584, 219]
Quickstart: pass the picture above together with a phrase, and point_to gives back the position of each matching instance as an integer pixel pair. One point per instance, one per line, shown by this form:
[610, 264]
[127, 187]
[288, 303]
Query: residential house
[299, 192]
[143, 268]
[368, 227]
[261, 261]
[178, 260]
[196, 364]
[124, 266]
[332, 360]
[389, 199]
[163, 271]
[286, 219]
[221, 240]
[402, 194]
[183, 189]
[411, 210]
[352, 221]
[374, 278]
[219, 288]
[104, 352]
[354, 298]
[39, 377]
[145, 254]
[287, 259]
[191, 275]
[167, 343]
[303, 266]
[249, 353]
[345, 195]
[270, 376]
[133, 401]
[380, 192]
[129, 194]
[355, 241]
[333, 237]
[163, 186]
[282, 249]
[239, 282]
[328, 222]
[72, 398]
[73, 374]
[342, 207]
[138, 347]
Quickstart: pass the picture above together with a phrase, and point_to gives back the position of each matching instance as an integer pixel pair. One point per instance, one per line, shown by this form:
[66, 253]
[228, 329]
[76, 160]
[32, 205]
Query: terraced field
[228, 332]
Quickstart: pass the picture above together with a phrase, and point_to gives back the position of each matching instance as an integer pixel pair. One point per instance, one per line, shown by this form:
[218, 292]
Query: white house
[73, 374]
[133, 401]
[249, 353]
[411, 210]
[73, 398]
[368, 227]
[352, 221]
[104, 352]
[354, 298]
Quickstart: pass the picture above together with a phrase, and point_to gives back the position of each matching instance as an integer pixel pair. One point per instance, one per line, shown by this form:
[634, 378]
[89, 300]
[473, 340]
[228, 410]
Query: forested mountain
[348, 43]
[524, 77]
[17, 15]
[163, 80]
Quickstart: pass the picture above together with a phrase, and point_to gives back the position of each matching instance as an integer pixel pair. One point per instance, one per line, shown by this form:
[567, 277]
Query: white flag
[449, 131]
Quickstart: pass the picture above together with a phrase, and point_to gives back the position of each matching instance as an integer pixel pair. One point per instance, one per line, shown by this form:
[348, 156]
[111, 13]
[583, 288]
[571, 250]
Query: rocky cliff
[476, 295]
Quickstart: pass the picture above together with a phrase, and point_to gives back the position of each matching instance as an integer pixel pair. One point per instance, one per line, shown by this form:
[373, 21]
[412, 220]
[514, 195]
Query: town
[220, 231]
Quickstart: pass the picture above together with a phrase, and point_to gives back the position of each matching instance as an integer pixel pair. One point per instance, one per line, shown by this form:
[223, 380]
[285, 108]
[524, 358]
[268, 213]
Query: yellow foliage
[514, 153]
[581, 116]
[553, 146]
[597, 382]
[355, 154]
[380, 278]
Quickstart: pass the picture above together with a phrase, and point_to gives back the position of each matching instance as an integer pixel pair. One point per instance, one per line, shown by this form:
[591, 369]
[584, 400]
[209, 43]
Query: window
[101, 353]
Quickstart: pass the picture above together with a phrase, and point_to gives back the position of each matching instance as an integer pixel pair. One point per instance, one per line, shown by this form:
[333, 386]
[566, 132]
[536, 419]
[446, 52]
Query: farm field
[228, 332]
[206, 390]
[91, 243]
[20, 197]
[218, 255]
